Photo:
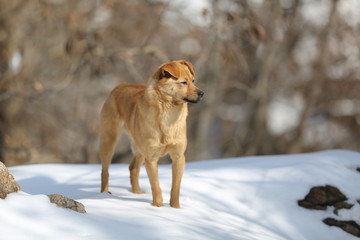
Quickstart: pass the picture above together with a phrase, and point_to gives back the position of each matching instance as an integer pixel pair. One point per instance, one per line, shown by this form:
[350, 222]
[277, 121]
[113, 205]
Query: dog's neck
[155, 95]
[170, 116]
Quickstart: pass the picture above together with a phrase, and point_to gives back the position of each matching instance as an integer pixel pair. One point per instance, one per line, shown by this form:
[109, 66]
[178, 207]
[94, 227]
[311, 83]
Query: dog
[154, 115]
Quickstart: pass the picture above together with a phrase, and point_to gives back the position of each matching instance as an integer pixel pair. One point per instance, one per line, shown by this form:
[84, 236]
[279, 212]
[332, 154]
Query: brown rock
[348, 226]
[342, 205]
[320, 197]
[9, 185]
[7, 182]
[65, 202]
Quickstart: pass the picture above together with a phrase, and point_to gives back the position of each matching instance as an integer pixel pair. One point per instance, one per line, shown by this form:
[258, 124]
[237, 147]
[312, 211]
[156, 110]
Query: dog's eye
[184, 83]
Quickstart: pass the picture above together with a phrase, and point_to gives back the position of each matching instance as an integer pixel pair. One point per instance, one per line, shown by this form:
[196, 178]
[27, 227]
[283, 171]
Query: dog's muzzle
[200, 96]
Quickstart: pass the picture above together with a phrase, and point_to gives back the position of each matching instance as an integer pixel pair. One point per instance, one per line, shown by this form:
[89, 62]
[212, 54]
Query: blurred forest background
[280, 76]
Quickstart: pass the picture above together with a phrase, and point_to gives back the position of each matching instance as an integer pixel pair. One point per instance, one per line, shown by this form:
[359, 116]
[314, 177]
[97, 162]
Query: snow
[239, 198]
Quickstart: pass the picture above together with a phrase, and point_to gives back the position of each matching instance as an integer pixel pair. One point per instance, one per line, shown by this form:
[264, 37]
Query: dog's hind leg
[110, 126]
[134, 168]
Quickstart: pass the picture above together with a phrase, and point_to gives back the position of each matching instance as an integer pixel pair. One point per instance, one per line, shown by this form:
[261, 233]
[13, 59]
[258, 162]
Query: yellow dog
[154, 115]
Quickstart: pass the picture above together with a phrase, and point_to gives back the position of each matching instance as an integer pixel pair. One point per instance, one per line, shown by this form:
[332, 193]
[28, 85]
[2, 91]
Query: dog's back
[127, 94]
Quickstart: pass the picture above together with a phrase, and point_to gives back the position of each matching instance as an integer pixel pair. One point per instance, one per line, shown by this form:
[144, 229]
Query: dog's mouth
[200, 95]
[192, 100]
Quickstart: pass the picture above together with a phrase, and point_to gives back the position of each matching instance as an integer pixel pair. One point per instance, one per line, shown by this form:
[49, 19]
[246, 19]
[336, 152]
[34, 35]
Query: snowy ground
[242, 198]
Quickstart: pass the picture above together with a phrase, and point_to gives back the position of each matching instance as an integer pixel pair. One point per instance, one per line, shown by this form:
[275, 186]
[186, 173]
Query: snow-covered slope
[242, 198]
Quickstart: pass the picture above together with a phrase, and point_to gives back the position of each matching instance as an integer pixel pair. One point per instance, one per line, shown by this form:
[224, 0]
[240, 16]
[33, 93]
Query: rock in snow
[9, 185]
[7, 182]
[320, 197]
[348, 226]
[65, 202]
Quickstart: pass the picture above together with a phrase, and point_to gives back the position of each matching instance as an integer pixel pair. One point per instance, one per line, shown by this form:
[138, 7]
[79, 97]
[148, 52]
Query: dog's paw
[175, 204]
[106, 192]
[160, 204]
[137, 191]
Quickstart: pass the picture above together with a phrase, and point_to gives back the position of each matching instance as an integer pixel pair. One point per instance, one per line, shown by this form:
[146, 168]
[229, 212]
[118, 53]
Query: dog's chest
[155, 130]
[172, 126]
[172, 134]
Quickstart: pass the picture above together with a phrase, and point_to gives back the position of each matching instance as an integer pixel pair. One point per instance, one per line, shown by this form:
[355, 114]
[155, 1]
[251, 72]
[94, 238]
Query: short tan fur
[154, 115]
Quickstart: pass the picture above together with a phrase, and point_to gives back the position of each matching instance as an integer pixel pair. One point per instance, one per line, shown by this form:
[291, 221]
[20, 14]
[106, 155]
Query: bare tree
[59, 60]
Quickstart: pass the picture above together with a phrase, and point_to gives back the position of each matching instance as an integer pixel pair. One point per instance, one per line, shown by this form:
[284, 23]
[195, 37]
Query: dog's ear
[166, 70]
[166, 74]
[189, 65]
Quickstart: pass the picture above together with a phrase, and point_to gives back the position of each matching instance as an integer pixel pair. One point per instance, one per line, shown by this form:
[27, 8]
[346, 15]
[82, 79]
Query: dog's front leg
[152, 172]
[178, 165]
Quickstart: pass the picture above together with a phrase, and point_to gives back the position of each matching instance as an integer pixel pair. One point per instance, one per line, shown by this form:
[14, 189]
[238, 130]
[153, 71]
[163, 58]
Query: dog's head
[176, 82]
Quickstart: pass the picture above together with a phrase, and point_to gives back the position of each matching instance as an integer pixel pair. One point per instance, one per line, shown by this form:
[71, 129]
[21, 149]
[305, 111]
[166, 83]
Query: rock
[320, 197]
[65, 202]
[7, 182]
[9, 185]
[342, 205]
[348, 226]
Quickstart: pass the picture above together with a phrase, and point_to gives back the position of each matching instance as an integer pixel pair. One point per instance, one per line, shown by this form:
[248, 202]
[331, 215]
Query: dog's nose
[201, 93]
